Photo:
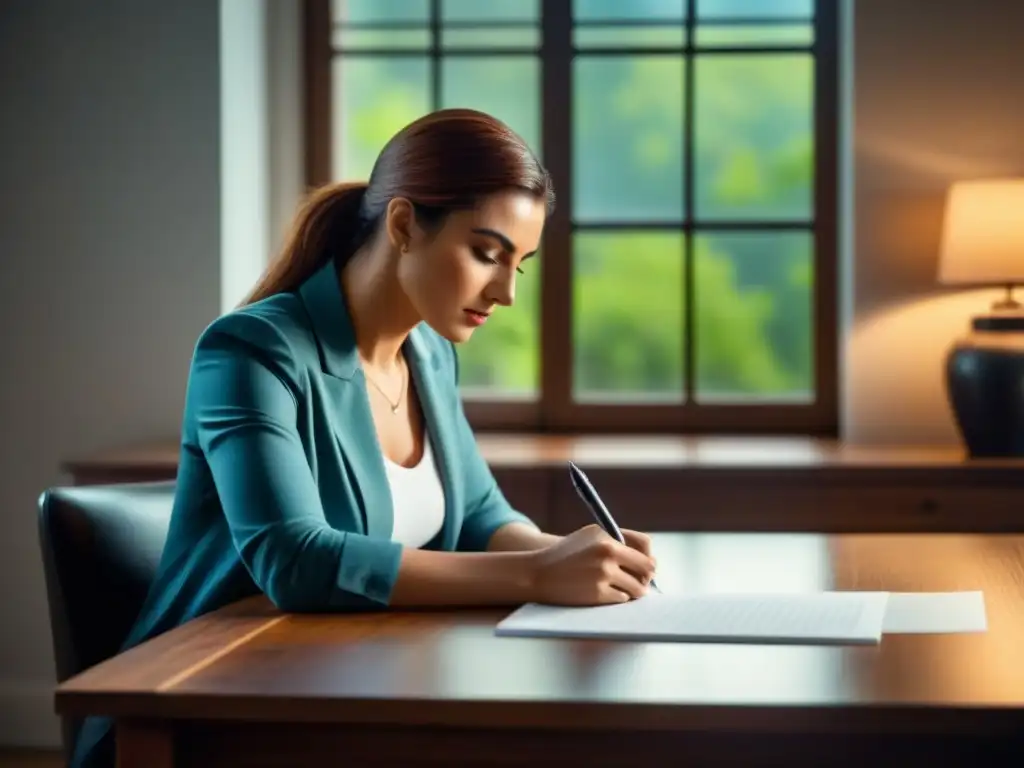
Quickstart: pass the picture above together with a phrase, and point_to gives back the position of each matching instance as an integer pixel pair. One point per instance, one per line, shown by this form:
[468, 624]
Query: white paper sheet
[925, 612]
[816, 618]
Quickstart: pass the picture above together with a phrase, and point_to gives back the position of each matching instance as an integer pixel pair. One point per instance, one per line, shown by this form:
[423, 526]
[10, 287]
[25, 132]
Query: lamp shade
[983, 233]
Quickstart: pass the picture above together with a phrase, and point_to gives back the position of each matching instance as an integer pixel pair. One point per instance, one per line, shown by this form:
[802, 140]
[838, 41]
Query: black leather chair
[101, 546]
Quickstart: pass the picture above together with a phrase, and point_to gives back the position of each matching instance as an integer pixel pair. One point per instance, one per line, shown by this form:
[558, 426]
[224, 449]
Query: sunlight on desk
[743, 562]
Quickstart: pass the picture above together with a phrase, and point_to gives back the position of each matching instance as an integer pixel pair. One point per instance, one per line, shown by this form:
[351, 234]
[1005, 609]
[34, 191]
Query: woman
[325, 458]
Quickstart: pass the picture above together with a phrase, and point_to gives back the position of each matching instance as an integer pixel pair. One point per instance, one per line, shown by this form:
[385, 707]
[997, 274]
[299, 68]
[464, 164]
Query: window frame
[555, 410]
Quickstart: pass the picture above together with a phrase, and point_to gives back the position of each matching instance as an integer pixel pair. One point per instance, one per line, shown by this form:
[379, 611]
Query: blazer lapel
[438, 413]
[352, 419]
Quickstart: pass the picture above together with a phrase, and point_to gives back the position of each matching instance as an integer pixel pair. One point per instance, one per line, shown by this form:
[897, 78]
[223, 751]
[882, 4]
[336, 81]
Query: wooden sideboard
[663, 483]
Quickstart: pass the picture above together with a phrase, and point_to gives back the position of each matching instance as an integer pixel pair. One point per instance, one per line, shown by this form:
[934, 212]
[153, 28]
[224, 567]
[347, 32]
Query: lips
[475, 317]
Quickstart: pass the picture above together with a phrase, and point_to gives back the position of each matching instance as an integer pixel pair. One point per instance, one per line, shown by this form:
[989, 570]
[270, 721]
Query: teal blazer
[281, 486]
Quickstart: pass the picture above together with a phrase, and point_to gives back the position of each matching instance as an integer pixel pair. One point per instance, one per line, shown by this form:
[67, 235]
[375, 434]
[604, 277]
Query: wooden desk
[708, 483]
[249, 686]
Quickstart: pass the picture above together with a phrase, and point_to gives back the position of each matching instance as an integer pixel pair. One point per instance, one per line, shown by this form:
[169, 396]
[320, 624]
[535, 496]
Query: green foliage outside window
[753, 161]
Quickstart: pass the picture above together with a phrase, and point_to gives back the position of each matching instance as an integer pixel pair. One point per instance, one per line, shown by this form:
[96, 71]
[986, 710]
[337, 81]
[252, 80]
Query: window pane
[527, 38]
[346, 39]
[754, 136]
[754, 308]
[754, 34]
[628, 316]
[375, 11]
[590, 10]
[627, 138]
[755, 9]
[634, 37]
[373, 99]
[502, 359]
[490, 10]
[507, 87]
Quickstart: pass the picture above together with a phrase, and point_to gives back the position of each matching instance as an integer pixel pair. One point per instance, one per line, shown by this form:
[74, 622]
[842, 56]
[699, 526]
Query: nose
[502, 290]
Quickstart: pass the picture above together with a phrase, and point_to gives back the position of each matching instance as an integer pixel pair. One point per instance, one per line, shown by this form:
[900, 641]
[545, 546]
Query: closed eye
[482, 256]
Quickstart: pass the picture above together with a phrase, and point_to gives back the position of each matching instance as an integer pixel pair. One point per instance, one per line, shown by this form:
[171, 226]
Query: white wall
[286, 145]
[128, 221]
[109, 243]
[261, 135]
[938, 96]
[244, 141]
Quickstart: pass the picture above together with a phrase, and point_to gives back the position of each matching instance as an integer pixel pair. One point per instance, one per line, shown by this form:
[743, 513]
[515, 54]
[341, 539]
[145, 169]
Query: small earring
[405, 248]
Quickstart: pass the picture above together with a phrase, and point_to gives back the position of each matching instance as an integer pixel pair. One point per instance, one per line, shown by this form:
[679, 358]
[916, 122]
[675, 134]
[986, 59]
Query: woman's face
[456, 276]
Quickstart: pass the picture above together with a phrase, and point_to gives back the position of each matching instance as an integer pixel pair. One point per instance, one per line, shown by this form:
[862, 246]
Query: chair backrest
[101, 546]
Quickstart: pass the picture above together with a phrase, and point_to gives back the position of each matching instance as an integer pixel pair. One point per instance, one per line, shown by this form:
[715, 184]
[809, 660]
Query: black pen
[597, 508]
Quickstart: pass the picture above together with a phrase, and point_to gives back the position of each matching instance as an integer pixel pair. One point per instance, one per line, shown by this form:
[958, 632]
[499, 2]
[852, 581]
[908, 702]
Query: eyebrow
[507, 244]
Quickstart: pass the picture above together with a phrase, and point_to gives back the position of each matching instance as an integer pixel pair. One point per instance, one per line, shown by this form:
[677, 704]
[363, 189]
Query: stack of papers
[804, 618]
[935, 612]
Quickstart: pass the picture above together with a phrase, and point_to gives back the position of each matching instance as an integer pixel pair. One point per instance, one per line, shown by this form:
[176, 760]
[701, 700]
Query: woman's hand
[589, 567]
[637, 540]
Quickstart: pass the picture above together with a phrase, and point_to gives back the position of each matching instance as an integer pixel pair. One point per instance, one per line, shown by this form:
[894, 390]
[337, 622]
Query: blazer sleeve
[242, 400]
[487, 509]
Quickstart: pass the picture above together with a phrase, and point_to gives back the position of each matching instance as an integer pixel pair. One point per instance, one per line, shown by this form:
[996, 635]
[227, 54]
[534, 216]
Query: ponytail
[328, 226]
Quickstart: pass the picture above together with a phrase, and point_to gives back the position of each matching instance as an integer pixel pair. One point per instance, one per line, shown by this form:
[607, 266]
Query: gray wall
[111, 250]
[109, 270]
[938, 96]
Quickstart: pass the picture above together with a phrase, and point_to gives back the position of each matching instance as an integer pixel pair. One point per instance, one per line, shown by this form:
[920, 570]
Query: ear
[400, 223]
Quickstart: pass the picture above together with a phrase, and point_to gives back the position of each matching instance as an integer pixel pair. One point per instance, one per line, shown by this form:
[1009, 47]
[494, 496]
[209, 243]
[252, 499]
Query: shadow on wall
[927, 168]
[900, 351]
[900, 224]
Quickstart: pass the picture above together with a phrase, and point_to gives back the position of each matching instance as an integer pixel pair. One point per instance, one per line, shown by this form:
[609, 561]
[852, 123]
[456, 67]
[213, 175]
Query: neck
[382, 316]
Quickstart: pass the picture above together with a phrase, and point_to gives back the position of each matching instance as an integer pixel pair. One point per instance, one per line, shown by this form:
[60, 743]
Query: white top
[418, 499]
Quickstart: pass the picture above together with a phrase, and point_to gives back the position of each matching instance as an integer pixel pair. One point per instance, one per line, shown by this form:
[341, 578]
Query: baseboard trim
[27, 718]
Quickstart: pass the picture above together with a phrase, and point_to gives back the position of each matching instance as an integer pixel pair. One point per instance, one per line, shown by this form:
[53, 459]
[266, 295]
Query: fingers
[634, 561]
[642, 543]
[625, 569]
[609, 594]
[626, 583]
[638, 540]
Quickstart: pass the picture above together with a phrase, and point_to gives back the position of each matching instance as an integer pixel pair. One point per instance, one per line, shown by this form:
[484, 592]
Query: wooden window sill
[711, 482]
[510, 450]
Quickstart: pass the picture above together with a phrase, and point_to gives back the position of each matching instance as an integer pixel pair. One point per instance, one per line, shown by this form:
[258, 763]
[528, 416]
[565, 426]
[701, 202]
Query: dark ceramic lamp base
[985, 385]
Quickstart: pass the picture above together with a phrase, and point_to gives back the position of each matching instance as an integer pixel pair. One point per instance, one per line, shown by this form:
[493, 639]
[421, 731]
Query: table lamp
[983, 244]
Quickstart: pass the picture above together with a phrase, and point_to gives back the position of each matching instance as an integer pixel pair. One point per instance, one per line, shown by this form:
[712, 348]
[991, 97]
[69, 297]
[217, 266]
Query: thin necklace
[401, 392]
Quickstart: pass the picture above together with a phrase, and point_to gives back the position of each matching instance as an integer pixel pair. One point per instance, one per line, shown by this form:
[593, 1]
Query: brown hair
[445, 161]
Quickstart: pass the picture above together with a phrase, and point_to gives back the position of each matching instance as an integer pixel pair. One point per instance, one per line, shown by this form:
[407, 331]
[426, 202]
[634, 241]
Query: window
[687, 281]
